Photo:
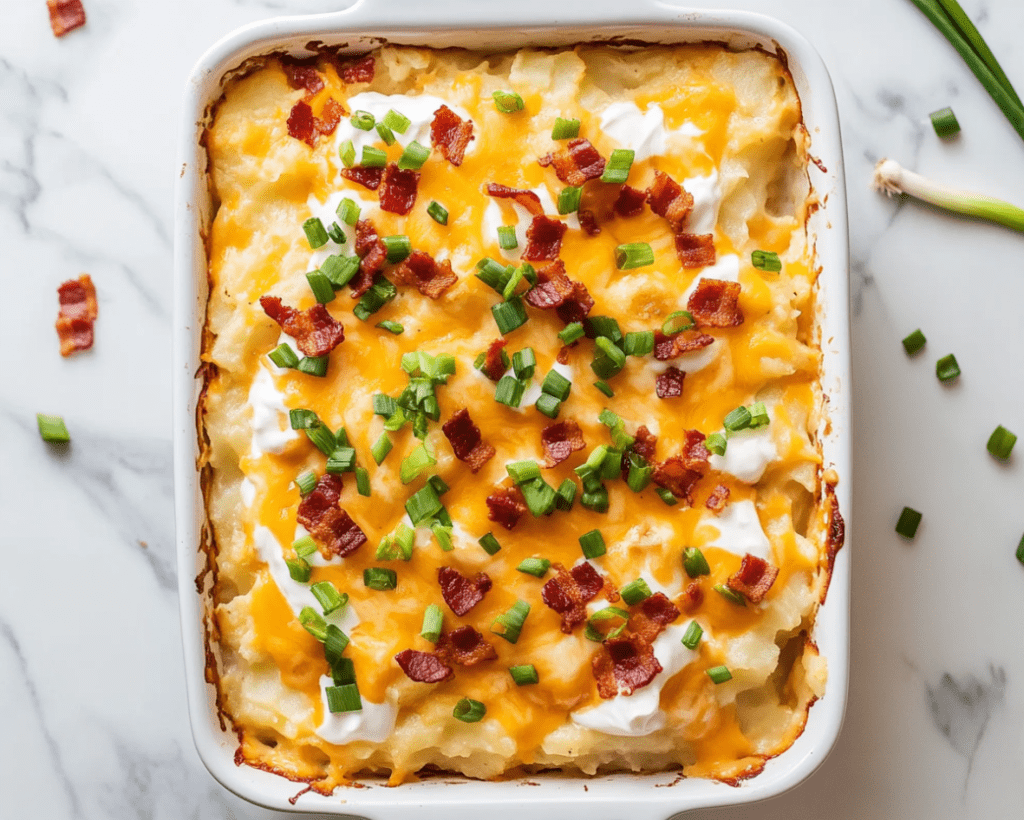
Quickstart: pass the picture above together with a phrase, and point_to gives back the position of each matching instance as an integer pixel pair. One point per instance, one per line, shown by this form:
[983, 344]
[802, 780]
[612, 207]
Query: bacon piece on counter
[544, 239]
[367, 177]
[302, 123]
[669, 385]
[65, 16]
[330, 116]
[331, 527]
[431, 278]
[669, 347]
[466, 441]
[695, 250]
[754, 578]
[630, 201]
[398, 189]
[450, 134]
[459, 592]
[624, 665]
[78, 312]
[423, 667]
[464, 646]
[576, 163]
[571, 300]
[302, 75]
[715, 303]
[506, 506]
[693, 597]
[316, 332]
[527, 199]
[569, 591]
[669, 199]
[357, 70]
[494, 365]
[718, 499]
[561, 440]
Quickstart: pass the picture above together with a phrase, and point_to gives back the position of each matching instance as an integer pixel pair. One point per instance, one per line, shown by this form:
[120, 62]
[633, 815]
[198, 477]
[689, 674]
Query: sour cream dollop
[271, 431]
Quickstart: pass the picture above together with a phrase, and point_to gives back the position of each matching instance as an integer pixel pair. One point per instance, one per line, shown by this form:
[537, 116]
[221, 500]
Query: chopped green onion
[605, 388]
[413, 157]
[596, 500]
[304, 546]
[348, 211]
[443, 536]
[593, 544]
[524, 363]
[316, 234]
[437, 212]
[438, 484]
[493, 274]
[336, 234]
[611, 362]
[730, 594]
[555, 384]
[640, 475]
[716, 443]
[914, 342]
[945, 123]
[720, 674]
[509, 315]
[468, 710]
[947, 368]
[692, 635]
[386, 134]
[373, 157]
[391, 327]
[363, 120]
[347, 153]
[569, 199]
[380, 578]
[381, 447]
[299, 570]
[521, 471]
[736, 420]
[766, 260]
[639, 343]
[616, 428]
[617, 168]
[507, 237]
[548, 405]
[605, 326]
[571, 332]
[539, 497]
[340, 269]
[509, 624]
[1020, 550]
[508, 102]
[335, 644]
[1000, 443]
[695, 563]
[327, 594]
[565, 494]
[341, 436]
[313, 622]
[908, 522]
[611, 467]
[524, 674]
[314, 365]
[489, 543]
[536, 567]
[433, 623]
[396, 121]
[343, 698]
[380, 293]
[667, 496]
[306, 482]
[758, 415]
[383, 405]
[300, 418]
[398, 247]
[634, 255]
[342, 460]
[397, 545]
[363, 482]
[565, 129]
[677, 322]
[415, 463]
[509, 391]
[423, 504]
[321, 286]
[284, 356]
[635, 591]
[612, 622]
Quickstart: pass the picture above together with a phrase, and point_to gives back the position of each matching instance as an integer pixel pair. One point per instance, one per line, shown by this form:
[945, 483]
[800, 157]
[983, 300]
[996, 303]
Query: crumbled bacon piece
[576, 163]
[568, 592]
[506, 506]
[644, 442]
[562, 357]
[331, 527]
[398, 189]
[588, 222]
[623, 666]
[303, 75]
[669, 385]
[676, 477]
[459, 592]
[357, 70]
[669, 199]
[693, 597]
[431, 278]
[630, 201]
[367, 177]
[316, 332]
[560, 440]
[373, 252]
[450, 134]
[571, 300]
[65, 16]
[695, 250]
[302, 123]
[78, 312]
[423, 667]
[330, 116]
[527, 199]
[366, 237]
[715, 303]
[659, 609]
[466, 440]
[718, 498]
[669, 347]
[694, 454]
[494, 363]
[754, 578]
[544, 239]
[464, 646]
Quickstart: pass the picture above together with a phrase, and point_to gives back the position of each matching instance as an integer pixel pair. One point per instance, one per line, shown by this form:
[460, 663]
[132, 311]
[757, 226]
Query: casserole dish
[356, 31]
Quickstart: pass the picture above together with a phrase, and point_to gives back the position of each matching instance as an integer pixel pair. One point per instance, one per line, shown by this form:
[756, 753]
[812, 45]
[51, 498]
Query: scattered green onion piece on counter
[509, 624]
[524, 674]
[386, 134]
[617, 617]
[304, 546]
[524, 363]
[639, 343]
[508, 102]
[341, 460]
[313, 622]
[695, 563]
[691, 637]
[667, 496]
[592, 544]
[595, 500]
[315, 232]
[736, 420]
[945, 123]
[720, 674]
[306, 482]
[363, 482]
[398, 247]
[284, 356]
[522, 471]
[340, 269]
[605, 388]
[381, 447]
[299, 570]
[635, 591]
[569, 199]
[314, 365]
[766, 260]
[373, 157]
[730, 594]
[509, 391]
[565, 495]
[437, 212]
[548, 405]
[537, 567]
[380, 578]
[433, 623]
[413, 157]
[677, 322]
[572, 332]
[507, 237]
[914, 342]
[617, 168]
[1020, 550]
[606, 326]
[634, 255]
[330, 599]
[321, 286]
[510, 315]
[391, 327]
[468, 710]
[396, 121]
[1000, 443]
[716, 443]
[539, 497]
[336, 234]
[363, 120]
[443, 536]
[348, 211]
[343, 698]
[758, 415]
[489, 543]
[947, 368]
[565, 129]
[347, 153]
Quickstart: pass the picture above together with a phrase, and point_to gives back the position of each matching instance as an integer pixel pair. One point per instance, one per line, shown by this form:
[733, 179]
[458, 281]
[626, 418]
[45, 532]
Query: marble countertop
[90, 659]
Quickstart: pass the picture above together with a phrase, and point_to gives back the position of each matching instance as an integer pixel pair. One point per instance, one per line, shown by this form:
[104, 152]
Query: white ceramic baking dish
[486, 25]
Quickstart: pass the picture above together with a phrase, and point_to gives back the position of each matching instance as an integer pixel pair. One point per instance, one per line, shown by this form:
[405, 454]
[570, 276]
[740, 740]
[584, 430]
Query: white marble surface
[90, 662]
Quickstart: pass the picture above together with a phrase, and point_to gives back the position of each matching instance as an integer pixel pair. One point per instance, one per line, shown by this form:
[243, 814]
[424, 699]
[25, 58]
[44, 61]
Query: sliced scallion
[347, 153]
[489, 543]
[363, 120]
[555, 384]
[391, 327]
[537, 567]
[413, 157]
[539, 497]
[522, 471]
[947, 368]
[337, 235]
[348, 211]
[569, 199]
[758, 415]
[605, 388]
[720, 674]
[380, 578]
[606, 624]
[314, 365]
[667, 496]
[284, 356]
[914, 342]
[677, 322]
[695, 563]
[507, 237]
[548, 405]
[509, 624]
[736, 420]
[1000, 443]
[323, 290]
[716, 443]
[634, 255]
[398, 247]
[565, 494]
[327, 594]
[344, 698]
[509, 391]
[381, 448]
[592, 544]
[571, 332]
[437, 212]
[635, 591]
[468, 710]
[508, 102]
[306, 482]
[909, 521]
[373, 157]
[386, 134]
[945, 123]
[616, 170]
[443, 536]
[524, 363]
[565, 129]
[313, 622]
[766, 261]
[341, 460]
[509, 315]
[524, 674]
[730, 594]
[639, 343]
[396, 121]
[433, 623]
[692, 635]
[316, 233]
[299, 570]
[423, 504]
[363, 482]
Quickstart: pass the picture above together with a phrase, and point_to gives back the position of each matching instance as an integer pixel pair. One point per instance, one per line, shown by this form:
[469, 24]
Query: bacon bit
[693, 597]
[695, 250]
[466, 441]
[630, 201]
[423, 667]
[527, 199]
[78, 311]
[302, 123]
[367, 177]
[694, 454]
[715, 303]
[374, 254]
[624, 665]
[567, 593]
[315, 331]
[588, 222]
[669, 199]
[464, 646]
[303, 75]
[561, 440]
[506, 506]
[754, 578]
[330, 116]
[366, 237]
[571, 300]
[669, 385]
[718, 499]
[329, 525]
[494, 364]
[450, 134]
[577, 163]
[544, 239]
[644, 442]
[669, 347]
[65, 16]
[676, 478]
[562, 357]
[459, 592]
[431, 278]
[659, 609]
[358, 70]
[398, 189]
